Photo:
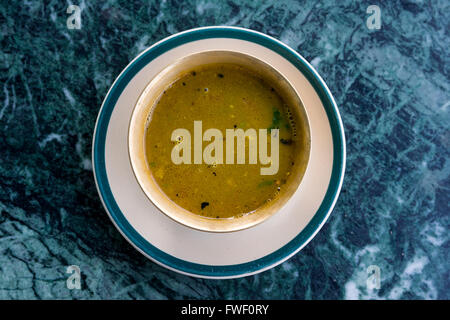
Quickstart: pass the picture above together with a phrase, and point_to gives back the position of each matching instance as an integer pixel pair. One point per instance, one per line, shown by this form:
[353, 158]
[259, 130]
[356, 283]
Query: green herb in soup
[222, 96]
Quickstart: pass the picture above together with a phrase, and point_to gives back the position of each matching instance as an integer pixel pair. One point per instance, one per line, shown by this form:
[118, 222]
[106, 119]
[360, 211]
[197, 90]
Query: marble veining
[392, 88]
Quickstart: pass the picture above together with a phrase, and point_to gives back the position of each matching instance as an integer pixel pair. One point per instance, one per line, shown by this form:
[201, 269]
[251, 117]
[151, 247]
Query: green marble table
[391, 85]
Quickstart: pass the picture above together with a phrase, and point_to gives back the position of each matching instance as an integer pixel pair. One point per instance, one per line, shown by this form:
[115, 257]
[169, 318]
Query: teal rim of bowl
[204, 270]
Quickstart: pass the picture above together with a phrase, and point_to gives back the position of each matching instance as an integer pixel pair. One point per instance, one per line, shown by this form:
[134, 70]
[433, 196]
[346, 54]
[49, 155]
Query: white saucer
[218, 255]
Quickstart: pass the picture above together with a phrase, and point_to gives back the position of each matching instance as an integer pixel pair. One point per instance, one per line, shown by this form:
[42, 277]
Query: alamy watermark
[213, 152]
[74, 20]
[74, 280]
[373, 21]
[373, 277]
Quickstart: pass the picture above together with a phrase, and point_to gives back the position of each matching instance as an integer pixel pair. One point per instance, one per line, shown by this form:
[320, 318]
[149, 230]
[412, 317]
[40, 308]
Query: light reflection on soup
[222, 96]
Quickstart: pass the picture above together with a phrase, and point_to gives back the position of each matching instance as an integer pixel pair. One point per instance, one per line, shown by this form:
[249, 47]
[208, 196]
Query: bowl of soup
[219, 141]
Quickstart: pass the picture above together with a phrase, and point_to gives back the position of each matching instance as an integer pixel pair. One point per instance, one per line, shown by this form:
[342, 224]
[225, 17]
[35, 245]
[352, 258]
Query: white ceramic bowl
[142, 114]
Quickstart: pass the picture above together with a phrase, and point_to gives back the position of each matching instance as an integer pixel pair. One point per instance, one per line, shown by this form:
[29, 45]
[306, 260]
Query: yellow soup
[221, 96]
